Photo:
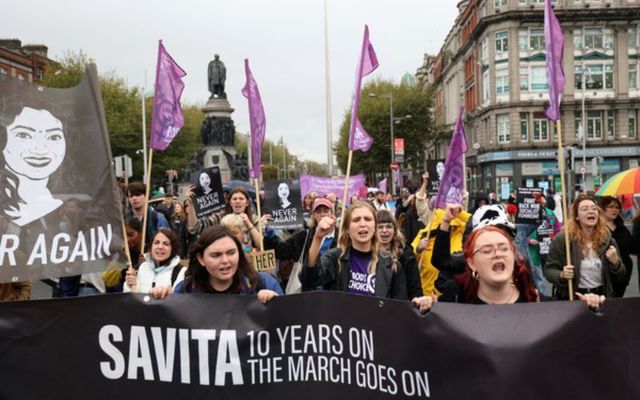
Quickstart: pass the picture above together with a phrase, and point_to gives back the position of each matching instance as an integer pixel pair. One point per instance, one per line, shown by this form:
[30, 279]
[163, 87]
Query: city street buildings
[493, 64]
[25, 62]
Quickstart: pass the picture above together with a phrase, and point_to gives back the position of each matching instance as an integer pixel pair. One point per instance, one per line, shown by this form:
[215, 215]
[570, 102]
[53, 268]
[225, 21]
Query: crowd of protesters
[401, 248]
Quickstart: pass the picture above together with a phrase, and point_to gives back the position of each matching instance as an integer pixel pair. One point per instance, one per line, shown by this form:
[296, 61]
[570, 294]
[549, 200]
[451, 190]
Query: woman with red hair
[494, 275]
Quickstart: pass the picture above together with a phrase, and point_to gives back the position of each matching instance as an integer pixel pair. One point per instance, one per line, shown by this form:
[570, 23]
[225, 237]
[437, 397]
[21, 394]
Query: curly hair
[600, 232]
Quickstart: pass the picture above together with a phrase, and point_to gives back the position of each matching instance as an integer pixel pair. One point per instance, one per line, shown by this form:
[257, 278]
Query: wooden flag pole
[346, 187]
[128, 253]
[146, 202]
[259, 213]
[565, 193]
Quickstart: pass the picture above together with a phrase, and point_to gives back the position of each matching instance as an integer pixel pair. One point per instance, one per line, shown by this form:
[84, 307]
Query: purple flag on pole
[382, 185]
[554, 40]
[359, 139]
[452, 184]
[257, 120]
[167, 117]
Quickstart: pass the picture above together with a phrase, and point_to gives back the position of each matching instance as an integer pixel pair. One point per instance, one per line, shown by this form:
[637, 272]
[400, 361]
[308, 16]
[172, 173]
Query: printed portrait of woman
[283, 195]
[33, 148]
[205, 183]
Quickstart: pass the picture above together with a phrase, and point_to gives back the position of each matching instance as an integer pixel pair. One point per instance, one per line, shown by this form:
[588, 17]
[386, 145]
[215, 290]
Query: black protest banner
[436, 171]
[209, 196]
[316, 345]
[284, 202]
[528, 206]
[60, 213]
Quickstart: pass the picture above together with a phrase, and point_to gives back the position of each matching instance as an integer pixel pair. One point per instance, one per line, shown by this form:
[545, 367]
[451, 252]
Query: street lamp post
[585, 72]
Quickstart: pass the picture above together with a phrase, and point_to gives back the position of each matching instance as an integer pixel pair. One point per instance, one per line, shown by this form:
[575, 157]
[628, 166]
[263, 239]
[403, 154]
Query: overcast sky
[283, 39]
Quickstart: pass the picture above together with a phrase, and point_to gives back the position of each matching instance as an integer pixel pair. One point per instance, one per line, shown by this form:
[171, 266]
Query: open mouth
[225, 270]
[499, 267]
[38, 162]
[592, 218]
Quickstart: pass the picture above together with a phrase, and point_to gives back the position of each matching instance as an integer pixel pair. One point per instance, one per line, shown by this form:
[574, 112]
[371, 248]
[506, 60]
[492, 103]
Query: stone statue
[217, 77]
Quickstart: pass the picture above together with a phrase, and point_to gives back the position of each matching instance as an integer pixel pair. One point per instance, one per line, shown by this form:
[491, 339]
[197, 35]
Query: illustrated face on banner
[205, 182]
[283, 191]
[35, 145]
[440, 170]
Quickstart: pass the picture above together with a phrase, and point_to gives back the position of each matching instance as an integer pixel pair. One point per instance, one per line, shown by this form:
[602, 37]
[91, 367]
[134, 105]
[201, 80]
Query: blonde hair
[344, 241]
[233, 221]
[600, 232]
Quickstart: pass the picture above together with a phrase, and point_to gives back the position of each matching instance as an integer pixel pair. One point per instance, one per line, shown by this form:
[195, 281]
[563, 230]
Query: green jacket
[556, 260]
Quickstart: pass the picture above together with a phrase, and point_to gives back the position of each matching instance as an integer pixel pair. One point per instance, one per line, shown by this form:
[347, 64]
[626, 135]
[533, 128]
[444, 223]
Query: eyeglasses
[489, 250]
[386, 226]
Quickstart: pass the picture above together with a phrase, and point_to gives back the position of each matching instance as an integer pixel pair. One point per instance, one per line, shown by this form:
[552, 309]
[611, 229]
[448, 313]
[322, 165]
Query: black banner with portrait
[436, 171]
[60, 213]
[283, 202]
[316, 345]
[208, 191]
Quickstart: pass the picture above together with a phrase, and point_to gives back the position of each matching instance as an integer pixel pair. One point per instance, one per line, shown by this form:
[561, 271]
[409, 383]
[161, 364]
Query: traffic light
[568, 158]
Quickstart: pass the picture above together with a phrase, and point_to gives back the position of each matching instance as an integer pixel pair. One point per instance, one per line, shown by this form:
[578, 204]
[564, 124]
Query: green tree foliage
[123, 110]
[417, 131]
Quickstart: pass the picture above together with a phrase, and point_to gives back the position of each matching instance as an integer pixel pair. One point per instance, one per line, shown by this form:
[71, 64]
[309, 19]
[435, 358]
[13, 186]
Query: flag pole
[346, 187]
[563, 186]
[146, 202]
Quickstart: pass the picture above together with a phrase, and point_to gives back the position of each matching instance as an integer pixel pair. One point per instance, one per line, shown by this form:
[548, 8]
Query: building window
[538, 78]
[633, 126]
[601, 76]
[504, 135]
[540, 127]
[3, 71]
[594, 125]
[485, 86]
[20, 77]
[524, 127]
[634, 39]
[611, 125]
[593, 38]
[502, 81]
[524, 79]
[502, 42]
[498, 3]
[633, 76]
[531, 40]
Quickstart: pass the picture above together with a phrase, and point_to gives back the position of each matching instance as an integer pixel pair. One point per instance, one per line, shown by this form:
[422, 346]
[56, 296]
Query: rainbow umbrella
[625, 182]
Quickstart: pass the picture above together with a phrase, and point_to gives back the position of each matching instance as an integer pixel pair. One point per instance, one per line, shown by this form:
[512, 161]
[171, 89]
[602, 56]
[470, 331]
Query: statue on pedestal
[217, 74]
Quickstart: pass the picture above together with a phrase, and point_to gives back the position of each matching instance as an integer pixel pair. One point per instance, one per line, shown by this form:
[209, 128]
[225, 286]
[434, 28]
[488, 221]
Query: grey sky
[283, 39]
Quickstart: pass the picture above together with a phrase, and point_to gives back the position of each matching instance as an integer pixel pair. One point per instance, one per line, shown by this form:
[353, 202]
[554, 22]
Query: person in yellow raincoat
[423, 247]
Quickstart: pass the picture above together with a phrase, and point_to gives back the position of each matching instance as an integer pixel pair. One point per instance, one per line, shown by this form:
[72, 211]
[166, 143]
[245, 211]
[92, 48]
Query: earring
[474, 274]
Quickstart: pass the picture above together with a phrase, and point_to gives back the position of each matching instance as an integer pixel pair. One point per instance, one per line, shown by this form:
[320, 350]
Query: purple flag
[452, 184]
[554, 40]
[167, 117]
[359, 139]
[257, 120]
[382, 185]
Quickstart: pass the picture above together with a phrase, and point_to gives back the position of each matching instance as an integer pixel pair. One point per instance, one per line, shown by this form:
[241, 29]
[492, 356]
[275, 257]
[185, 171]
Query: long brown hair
[398, 242]
[344, 241]
[600, 232]
[247, 210]
[197, 277]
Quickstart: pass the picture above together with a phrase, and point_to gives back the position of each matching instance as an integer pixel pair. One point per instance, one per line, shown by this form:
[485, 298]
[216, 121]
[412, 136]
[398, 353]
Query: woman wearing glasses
[596, 264]
[495, 276]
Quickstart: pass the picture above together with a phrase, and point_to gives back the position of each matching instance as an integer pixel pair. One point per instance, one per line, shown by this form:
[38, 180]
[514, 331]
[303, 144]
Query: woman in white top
[161, 266]
[595, 259]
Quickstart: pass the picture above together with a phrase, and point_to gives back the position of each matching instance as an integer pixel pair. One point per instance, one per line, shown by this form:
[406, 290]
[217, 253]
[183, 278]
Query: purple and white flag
[359, 139]
[257, 120]
[452, 184]
[167, 117]
[554, 41]
[382, 185]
